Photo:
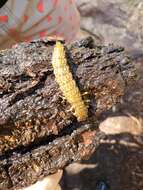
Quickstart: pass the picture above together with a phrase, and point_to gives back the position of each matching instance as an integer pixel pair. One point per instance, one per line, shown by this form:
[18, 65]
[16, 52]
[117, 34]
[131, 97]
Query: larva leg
[87, 101]
[71, 110]
[85, 93]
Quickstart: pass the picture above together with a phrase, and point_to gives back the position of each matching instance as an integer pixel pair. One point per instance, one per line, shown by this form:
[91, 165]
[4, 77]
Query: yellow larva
[66, 83]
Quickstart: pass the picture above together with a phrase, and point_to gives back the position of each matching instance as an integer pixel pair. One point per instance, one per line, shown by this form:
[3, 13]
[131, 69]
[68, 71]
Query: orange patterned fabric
[24, 20]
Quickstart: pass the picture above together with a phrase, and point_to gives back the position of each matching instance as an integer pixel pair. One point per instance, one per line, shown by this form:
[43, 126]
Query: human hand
[50, 182]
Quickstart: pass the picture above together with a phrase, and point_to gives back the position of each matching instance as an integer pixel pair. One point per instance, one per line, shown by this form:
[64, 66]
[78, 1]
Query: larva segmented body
[66, 83]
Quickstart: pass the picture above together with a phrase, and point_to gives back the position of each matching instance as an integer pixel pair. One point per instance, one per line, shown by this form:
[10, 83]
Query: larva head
[59, 43]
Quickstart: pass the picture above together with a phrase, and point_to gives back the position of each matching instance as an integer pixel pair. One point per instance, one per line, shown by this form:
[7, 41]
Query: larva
[66, 83]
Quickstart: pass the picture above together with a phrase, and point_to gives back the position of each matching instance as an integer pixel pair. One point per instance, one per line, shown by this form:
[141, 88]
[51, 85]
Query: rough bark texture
[35, 124]
[118, 160]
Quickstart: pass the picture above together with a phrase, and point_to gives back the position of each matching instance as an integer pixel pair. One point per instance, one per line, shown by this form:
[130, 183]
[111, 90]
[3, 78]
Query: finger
[48, 183]
[121, 124]
[51, 182]
[58, 188]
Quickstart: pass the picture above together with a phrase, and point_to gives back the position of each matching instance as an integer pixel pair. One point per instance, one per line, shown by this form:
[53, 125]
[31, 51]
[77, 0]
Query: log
[38, 133]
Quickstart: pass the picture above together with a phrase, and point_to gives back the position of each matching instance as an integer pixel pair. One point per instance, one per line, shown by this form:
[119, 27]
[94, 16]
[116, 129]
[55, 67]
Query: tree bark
[38, 133]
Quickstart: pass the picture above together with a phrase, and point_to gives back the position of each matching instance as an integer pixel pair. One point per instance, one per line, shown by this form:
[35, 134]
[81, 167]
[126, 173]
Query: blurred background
[114, 21]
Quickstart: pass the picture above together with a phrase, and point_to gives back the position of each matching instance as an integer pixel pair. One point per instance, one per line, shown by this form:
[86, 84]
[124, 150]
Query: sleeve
[31, 19]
